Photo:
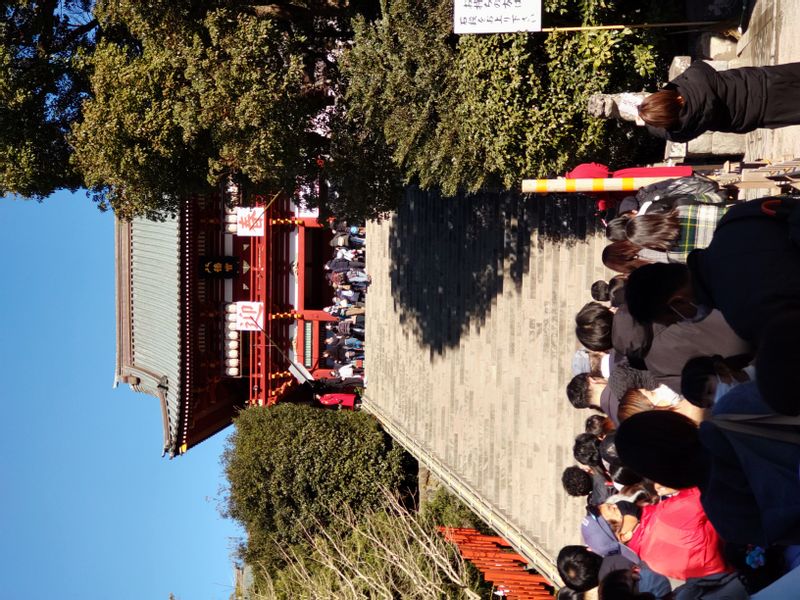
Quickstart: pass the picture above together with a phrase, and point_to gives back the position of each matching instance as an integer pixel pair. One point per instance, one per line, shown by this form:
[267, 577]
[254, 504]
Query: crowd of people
[344, 337]
[690, 461]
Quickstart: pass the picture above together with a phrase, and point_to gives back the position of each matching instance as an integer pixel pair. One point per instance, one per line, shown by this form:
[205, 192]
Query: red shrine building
[219, 308]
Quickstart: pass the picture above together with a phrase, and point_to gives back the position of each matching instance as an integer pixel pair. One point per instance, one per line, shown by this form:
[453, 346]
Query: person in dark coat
[737, 100]
[748, 482]
[342, 265]
[750, 272]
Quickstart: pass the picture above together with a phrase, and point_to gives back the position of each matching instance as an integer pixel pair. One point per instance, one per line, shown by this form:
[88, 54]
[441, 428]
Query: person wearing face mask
[706, 379]
[744, 460]
[675, 344]
[750, 272]
[622, 578]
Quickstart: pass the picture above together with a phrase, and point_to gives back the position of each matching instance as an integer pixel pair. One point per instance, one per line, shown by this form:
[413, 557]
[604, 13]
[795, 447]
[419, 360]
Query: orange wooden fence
[499, 564]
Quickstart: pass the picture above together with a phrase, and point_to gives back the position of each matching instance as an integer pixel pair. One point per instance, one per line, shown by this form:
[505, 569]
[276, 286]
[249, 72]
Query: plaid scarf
[698, 223]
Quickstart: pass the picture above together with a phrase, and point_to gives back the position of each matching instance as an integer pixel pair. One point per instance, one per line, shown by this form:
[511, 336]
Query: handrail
[491, 515]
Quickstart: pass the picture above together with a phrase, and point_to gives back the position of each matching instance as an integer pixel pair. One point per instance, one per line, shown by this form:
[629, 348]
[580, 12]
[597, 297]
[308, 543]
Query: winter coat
[750, 271]
[752, 494]
[735, 100]
[674, 345]
[666, 195]
[676, 539]
[723, 586]
[339, 265]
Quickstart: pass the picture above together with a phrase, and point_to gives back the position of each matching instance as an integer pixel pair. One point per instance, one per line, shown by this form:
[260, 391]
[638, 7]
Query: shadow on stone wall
[448, 253]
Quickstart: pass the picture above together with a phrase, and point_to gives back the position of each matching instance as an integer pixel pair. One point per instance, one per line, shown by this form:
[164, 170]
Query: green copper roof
[154, 313]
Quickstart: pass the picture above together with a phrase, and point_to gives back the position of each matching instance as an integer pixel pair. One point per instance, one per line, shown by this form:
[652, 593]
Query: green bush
[445, 509]
[289, 468]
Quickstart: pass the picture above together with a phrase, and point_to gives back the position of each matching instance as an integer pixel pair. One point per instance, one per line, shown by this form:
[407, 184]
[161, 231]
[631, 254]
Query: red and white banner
[250, 222]
[249, 316]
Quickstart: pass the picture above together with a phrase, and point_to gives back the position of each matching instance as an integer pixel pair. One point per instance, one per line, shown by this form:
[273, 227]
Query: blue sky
[89, 507]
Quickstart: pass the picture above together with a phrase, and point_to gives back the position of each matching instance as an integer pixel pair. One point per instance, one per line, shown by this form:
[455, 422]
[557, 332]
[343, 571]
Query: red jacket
[340, 399]
[676, 539]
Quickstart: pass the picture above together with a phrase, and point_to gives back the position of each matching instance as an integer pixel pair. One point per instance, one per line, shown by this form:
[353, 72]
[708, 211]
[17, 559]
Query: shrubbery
[387, 552]
[290, 468]
[463, 112]
[146, 103]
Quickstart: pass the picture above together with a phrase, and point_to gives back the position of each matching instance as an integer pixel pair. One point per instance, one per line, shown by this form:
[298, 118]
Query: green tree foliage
[470, 111]
[291, 467]
[445, 509]
[200, 92]
[364, 180]
[147, 101]
[167, 98]
[40, 92]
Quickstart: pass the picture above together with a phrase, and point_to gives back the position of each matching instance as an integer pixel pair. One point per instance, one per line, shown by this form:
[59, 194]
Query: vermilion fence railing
[499, 564]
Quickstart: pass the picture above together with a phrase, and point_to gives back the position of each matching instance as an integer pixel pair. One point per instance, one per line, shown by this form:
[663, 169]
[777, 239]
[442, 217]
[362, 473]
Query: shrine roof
[148, 288]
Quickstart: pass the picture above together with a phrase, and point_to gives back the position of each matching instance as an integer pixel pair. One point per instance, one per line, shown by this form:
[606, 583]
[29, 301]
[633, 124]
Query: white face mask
[701, 312]
[723, 388]
[605, 366]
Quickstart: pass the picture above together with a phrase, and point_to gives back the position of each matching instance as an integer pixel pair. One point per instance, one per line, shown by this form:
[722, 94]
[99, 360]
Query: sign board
[250, 221]
[496, 16]
[249, 316]
[219, 267]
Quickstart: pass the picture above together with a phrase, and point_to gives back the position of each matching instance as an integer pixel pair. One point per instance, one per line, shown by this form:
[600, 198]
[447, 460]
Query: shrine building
[219, 308]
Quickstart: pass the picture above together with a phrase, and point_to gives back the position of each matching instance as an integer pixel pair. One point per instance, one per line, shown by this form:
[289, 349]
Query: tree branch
[45, 22]
[78, 32]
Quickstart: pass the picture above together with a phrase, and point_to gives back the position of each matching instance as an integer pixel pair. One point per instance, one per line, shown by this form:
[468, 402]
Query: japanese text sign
[496, 16]
[250, 221]
[249, 316]
[219, 267]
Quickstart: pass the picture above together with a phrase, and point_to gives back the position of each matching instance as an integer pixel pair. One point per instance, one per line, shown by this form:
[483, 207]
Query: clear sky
[88, 507]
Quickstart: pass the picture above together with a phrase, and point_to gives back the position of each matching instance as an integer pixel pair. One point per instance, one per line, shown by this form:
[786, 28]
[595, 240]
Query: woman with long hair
[675, 233]
[678, 232]
[736, 100]
[625, 257]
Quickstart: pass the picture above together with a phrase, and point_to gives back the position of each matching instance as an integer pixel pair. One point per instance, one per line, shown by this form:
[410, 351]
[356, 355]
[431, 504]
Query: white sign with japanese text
[496, 16]
[249, 316]
[250, 222]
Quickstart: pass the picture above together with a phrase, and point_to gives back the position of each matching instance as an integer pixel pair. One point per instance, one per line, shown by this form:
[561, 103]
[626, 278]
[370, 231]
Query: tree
[291, 467]
[365, 182]
[462, 113]
[203, 92]
[40, 92]
[167, 98]
[383, 552]
[148, 102]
